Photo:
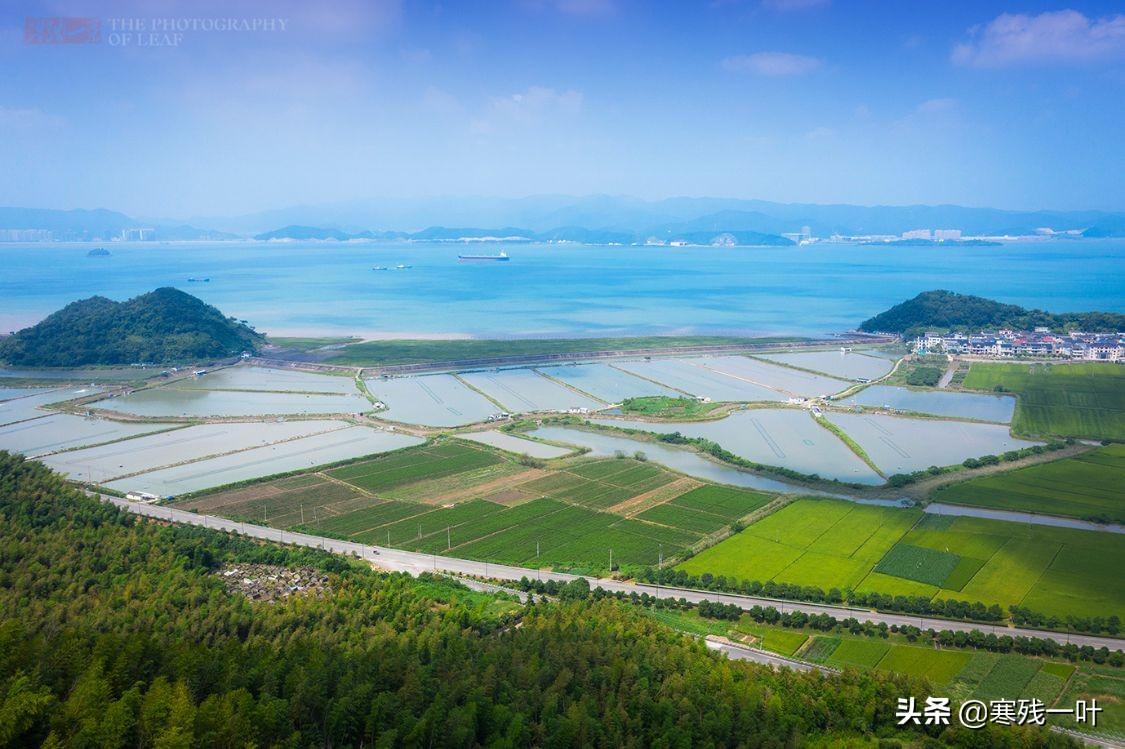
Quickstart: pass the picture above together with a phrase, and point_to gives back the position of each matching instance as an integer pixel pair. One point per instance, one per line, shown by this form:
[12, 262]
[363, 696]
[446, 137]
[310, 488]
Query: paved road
[397, 560]
[937, 508]
[739, 653]
[947, 375]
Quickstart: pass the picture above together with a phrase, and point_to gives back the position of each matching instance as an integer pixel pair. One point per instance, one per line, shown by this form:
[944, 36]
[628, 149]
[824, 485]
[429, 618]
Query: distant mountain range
[663, 218]
[596, 219]
[96, 225]
[513, 234]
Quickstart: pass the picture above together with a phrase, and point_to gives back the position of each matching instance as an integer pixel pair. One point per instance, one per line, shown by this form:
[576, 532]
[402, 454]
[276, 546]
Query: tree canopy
[115, 632]
[163, 326]
[945, 311]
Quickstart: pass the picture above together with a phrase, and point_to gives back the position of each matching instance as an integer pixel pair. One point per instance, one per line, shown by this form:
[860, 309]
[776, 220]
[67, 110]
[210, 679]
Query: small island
[946, 311]
[164, 326]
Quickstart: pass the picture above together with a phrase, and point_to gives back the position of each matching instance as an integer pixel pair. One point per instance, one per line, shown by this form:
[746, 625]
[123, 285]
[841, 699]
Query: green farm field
[429, 461]
[1066, 400]
[1084, 486]
[564, 520]
[833, 544]
[960, 673]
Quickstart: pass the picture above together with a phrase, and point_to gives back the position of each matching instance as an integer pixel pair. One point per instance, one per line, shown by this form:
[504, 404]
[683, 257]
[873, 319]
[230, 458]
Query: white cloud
[27, 119]
[1064, 36]
[585, 8]
[820, 133]
[538, 101]
[788, 5]
[934, 106]
[440, 100]
[536, 104]
[772, 64]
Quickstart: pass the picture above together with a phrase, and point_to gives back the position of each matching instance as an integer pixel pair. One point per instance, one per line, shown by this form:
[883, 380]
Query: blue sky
[978, 103]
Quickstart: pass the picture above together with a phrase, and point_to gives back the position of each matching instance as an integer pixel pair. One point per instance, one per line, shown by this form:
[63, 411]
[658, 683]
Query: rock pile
[267, 582]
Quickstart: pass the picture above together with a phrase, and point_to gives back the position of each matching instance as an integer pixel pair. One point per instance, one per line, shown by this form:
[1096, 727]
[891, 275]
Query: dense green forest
[945, 310]
[115, 632]
[162, 326]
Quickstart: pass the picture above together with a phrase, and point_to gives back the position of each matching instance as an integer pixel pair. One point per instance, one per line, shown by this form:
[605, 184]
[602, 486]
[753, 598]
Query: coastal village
[1038, 343]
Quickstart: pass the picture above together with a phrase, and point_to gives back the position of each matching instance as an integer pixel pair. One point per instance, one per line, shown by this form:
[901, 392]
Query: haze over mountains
[595, 219]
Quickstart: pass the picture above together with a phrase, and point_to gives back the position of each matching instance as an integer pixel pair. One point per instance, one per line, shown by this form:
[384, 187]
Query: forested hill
[116, 632]
[945, 311]
[163, 326]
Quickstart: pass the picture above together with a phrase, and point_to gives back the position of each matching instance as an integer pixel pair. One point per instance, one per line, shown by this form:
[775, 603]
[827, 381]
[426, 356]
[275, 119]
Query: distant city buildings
[26, 235]
[138, 235]
[918, 234]
[804, 236]
[1039, 343]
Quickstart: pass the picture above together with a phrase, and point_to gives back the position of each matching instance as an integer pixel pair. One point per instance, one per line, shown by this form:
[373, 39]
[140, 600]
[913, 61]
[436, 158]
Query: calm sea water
[553, 290]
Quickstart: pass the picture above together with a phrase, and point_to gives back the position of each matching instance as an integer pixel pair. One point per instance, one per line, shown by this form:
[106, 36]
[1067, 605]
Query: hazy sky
[1014, 105]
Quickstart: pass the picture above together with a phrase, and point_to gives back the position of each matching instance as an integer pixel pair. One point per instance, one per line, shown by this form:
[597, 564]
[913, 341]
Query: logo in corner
[62, 30]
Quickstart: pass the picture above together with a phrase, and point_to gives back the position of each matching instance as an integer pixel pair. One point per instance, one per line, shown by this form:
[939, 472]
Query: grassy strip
[666, 407]
[852, 444]
[310, 343]
[374, 353]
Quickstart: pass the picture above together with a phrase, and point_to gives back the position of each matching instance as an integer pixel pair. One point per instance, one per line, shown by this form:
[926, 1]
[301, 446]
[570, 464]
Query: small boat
[193, 279]
[400, 266]
[98, 252]
[502, 257]
[379, 267]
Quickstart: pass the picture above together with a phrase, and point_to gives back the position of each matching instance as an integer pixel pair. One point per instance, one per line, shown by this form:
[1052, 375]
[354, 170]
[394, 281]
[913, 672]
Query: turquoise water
[560, 290]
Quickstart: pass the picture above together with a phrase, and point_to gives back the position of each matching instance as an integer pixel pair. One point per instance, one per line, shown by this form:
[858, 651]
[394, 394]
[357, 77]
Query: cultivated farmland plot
[786, 437]
[307, 452]
[686, 377]
[424, 463]
[607, 383]
[56, 432]
[1087, 485]
[522, 390]
[1069, 400]
[104, 463]
[980, 406]
[899, 444]
[964, 673]
[269, 379]
[828, 543]
[785, 380]
[28, 406]
[517, 445]
[851, 365]
[158, 402]
[433, 400]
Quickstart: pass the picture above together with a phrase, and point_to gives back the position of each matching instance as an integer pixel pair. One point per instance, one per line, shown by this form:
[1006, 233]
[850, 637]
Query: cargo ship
[502, 257]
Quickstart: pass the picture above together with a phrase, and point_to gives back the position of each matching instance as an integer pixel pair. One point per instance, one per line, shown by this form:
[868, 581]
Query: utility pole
[448, 545]
[302, 514]
[388, 536]
[611, 562]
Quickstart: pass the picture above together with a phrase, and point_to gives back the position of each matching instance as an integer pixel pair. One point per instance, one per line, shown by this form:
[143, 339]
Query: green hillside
[945, 310]
[117, 632]
[163, 326]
